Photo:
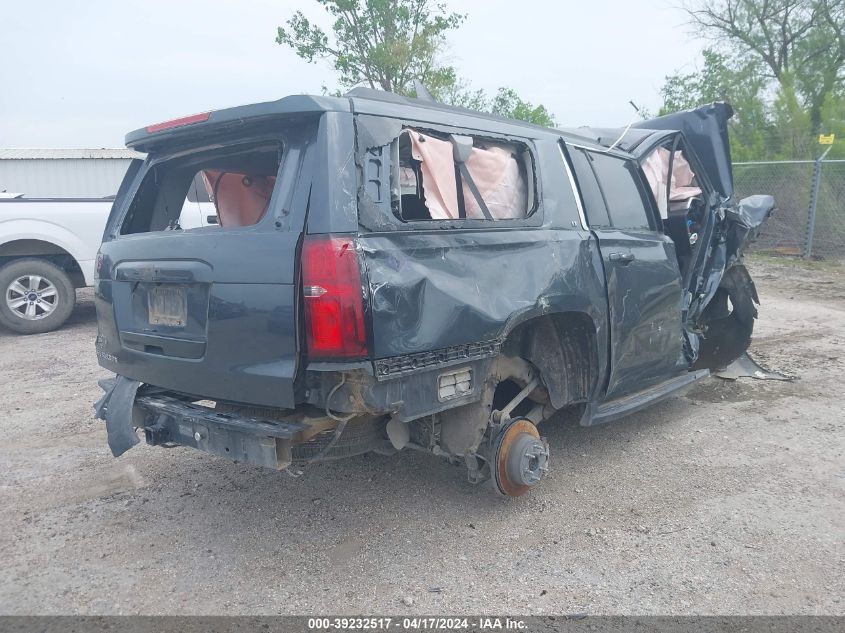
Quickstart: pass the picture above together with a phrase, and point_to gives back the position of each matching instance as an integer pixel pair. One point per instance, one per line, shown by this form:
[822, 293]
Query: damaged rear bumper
[170, 420]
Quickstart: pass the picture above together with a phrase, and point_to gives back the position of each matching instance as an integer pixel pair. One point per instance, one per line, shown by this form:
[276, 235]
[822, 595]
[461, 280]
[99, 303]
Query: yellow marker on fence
[826, 139]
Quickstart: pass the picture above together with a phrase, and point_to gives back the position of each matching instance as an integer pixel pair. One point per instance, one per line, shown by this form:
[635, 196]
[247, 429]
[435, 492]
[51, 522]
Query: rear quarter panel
[432, 287]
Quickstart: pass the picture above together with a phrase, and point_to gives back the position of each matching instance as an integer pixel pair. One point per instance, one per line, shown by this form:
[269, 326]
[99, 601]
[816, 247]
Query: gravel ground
[727, 500]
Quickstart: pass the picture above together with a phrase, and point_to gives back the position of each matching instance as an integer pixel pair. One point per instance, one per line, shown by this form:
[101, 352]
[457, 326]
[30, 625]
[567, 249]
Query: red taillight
[185, 120]
[334, 304]
[98, 266]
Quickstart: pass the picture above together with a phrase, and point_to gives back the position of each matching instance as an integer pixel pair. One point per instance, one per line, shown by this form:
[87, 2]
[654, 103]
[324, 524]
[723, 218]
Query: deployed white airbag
[656, 170]
[494, 169]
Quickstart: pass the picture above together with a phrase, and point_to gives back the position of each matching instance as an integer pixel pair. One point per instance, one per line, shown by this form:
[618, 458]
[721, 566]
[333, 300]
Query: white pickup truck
[48, 249]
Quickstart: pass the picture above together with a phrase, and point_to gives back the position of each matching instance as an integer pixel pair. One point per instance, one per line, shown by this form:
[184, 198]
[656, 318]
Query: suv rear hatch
[199, 294]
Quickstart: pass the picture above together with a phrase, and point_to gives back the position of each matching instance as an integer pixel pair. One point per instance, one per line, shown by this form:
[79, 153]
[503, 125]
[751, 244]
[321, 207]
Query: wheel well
[506, 391]
[562, 347]
[40, 249]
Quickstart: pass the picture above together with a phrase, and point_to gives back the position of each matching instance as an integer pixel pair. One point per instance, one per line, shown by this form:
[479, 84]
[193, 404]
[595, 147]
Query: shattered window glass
[221, 189]
[681, 187]
[491, 183]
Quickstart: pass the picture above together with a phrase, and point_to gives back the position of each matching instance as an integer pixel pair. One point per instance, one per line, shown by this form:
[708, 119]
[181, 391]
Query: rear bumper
[169, 419]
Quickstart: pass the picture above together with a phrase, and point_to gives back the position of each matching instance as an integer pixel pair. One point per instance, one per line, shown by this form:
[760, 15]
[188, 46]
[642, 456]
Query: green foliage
[741, 85]
[387, 44]
[508, 104]
[381, 43]
[833, 115]
[505, 103]
[780, 63]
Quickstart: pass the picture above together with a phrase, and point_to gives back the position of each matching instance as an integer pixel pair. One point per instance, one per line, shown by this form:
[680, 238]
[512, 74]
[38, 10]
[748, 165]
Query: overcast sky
[82, 74]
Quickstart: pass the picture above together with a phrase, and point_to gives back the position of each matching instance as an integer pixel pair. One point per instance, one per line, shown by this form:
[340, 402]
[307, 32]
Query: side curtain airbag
[494, 170]
[241, 199]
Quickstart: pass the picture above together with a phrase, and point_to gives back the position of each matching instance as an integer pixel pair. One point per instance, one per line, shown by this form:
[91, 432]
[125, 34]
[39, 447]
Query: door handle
[622, 258]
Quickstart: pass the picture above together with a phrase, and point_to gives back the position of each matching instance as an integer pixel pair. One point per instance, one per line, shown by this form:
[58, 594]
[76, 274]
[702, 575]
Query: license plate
[168, 305]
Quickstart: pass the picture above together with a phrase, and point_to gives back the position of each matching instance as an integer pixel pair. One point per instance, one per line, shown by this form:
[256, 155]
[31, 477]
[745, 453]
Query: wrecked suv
[387, 273]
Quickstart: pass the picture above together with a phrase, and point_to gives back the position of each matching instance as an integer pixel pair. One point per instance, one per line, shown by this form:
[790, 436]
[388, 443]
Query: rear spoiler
[147, 138]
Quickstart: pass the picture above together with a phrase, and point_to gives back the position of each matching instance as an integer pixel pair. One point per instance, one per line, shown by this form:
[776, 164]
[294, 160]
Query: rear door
[643, 279]
[209, 310]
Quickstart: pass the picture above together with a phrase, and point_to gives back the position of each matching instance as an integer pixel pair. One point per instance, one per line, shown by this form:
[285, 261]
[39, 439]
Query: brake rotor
[521, 458]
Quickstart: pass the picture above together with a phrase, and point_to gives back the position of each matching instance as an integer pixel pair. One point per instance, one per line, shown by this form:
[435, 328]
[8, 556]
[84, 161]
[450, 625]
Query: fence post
[814, 199]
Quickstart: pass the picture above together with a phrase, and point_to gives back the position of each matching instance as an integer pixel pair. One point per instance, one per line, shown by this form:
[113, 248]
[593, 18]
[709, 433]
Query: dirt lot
[730, 499]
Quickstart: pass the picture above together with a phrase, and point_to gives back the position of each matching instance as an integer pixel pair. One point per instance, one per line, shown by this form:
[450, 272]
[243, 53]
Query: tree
[740, 83]
[799, 44]
[384, 44]
[387, 44]
[506, 103]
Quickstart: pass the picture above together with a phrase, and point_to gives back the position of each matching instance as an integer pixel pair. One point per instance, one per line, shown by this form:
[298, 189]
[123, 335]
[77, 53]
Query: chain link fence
[797, 189]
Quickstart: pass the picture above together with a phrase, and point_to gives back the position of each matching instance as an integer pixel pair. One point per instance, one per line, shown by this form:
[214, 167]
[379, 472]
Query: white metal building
[64, 173]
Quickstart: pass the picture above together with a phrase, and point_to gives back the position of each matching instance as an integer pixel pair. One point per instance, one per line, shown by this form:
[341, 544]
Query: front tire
[36, 296]
[728, 320]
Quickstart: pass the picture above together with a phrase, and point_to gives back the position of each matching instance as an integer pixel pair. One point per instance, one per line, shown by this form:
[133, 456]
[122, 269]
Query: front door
[644, 286]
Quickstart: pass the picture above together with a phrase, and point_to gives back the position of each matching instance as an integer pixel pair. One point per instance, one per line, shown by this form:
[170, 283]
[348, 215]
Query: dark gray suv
[381, 273]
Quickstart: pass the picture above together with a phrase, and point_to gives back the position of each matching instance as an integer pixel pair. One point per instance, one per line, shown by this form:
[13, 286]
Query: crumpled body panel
[745, 219]
[706, 130]
[117, 408]
[431, 290]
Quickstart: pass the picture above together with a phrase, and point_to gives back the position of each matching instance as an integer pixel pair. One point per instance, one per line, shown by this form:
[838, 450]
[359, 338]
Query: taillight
[98, 266]
[334, 304]
[185, 120]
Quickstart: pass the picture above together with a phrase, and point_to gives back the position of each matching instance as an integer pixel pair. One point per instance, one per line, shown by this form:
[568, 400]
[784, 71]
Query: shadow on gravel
[84, 313]
[236, 504]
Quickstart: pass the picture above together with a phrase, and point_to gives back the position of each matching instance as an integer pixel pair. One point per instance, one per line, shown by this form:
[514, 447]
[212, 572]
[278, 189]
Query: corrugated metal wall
[63, 178]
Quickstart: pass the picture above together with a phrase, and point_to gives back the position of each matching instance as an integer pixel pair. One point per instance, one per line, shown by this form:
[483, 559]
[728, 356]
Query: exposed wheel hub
[521, 458]
[527, 460]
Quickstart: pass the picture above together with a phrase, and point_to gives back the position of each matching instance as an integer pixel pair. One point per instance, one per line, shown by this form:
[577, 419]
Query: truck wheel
[37, 296]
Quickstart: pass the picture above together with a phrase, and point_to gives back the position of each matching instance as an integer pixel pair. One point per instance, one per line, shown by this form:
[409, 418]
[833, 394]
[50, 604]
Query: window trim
[570, 173]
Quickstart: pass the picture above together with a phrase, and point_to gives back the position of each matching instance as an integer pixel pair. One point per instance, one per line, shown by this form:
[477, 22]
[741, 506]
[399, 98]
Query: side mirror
[754, 210]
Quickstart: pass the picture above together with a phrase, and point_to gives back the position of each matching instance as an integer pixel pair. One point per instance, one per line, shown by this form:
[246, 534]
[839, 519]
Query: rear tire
[36, 296]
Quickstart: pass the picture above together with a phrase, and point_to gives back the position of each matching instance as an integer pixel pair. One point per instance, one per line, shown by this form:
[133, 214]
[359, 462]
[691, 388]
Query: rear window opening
[219, 190]
[461, 177]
